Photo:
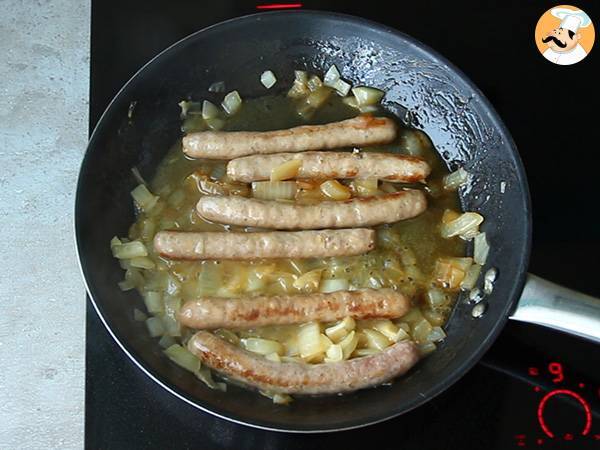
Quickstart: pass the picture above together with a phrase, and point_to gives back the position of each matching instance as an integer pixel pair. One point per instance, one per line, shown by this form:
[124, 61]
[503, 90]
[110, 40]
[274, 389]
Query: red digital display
[279, 6]
[556, 368]
[555, 372]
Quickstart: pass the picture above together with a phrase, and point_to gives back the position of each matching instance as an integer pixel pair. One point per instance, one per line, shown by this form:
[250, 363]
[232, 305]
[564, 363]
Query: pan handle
[550, 305]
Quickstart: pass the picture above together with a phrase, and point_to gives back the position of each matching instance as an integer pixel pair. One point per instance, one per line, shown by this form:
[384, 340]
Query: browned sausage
[383, 166]
[358, 131]
[273, 244]
[300, 378]
[249, 312]
[356, 212]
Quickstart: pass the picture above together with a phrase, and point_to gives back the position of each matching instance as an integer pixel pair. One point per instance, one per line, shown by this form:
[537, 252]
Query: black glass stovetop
[497, 404]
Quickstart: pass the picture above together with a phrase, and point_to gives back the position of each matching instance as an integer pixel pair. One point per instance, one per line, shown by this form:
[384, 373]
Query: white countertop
[44, 73]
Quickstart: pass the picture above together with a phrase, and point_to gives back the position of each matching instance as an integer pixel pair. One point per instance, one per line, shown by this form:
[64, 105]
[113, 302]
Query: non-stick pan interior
[421, 87]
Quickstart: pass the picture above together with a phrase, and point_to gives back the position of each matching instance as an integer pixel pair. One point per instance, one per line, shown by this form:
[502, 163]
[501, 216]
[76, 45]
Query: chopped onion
[436, 335]
[262, 346]
[366, 352]
[341, 329]
[268, 79]
[342, 87]
[215, 123]
[301, 76]
[316, 98]
[183, 358]
[456, 179]
[421, 330]
[209, 110]
[129, 250]
[368, 108]
[481, 249]
[309, 282]
[274, 190]
[436, 317]
[333, 285]
[450, 272]
[287, 170]
[138, 315]
[471, 278]
[298, 90]
[309, 340]
[142, 262]
[273, 357]
[166, 341]
[375, 339]
[335, 190]
[415, 142]
[189, 108]
[232, 102]
[170, 321]
[334, 353]
[387, 328]
[331, 76]
[436, 298]
[314, 83]
[176, 198]
[144, 198]
[348, 344]
[350, 101]
[184, 108]
[193, 124]
[205, 375]
[402, 335]
[278, 399]
[114, 242]
[365, 187]
[133, 278]
[153, 302]
[155, 327]
[463, 224]
[366, 96]
[217, 86]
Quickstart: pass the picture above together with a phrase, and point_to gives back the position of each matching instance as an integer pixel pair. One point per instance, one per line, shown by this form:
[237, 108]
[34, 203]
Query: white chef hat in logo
[571, 20]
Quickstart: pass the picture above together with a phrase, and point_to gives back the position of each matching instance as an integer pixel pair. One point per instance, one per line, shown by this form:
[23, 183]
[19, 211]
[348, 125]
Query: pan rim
[437, 388]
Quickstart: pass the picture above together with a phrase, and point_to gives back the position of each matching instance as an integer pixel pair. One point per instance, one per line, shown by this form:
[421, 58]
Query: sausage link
[249, 312]
[356, 212]
[383, 166]
[273, 244]
[358, 131]
[300, 378]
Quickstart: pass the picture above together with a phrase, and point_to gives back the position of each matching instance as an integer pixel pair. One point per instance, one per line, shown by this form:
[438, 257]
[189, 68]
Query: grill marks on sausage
[301, 378]
[249, 312]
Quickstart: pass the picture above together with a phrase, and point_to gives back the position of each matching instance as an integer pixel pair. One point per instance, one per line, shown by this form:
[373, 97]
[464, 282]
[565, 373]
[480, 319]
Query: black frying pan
[423, 88]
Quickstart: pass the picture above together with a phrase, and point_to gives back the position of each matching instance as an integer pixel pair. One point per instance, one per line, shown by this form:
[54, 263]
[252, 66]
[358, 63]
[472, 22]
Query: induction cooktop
[535, 388]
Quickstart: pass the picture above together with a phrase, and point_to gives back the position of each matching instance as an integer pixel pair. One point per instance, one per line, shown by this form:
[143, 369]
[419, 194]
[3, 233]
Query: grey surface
[44, 64]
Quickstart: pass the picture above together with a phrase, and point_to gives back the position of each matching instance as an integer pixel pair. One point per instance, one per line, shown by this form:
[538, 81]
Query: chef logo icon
[564, 35]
